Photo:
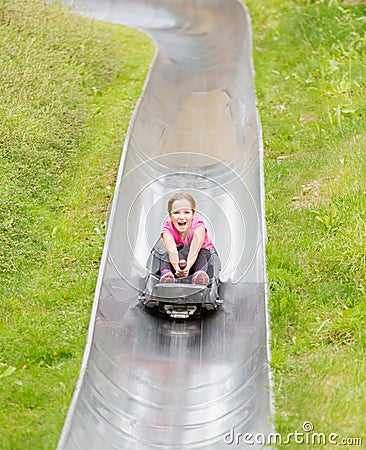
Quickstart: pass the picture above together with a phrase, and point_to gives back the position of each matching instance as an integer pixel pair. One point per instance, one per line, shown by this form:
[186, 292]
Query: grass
[311, 88]
[68, 89]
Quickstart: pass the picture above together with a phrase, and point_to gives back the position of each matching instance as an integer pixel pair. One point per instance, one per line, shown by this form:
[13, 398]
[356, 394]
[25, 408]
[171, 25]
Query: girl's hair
[181, 196]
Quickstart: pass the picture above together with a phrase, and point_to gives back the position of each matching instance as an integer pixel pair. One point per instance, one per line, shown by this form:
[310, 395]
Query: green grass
[68, 89]
[311, 88]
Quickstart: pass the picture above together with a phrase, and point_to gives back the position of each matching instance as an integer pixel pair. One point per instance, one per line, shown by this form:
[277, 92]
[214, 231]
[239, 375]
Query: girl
[186, 241]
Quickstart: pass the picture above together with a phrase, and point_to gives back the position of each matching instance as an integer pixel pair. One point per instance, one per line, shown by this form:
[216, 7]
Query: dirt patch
[309, 194]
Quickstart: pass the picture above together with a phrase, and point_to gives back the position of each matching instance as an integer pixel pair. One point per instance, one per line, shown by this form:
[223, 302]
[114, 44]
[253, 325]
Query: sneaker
[200, 277]
[167, 277]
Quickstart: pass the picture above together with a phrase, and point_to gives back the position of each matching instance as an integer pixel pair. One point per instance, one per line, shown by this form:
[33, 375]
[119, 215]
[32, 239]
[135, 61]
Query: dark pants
[201, 262]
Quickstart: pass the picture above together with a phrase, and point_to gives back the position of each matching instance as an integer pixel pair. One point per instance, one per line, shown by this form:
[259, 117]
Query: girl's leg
[198, 270]
[202, 260]
[165, 265]
[200, 267]
[166, 269]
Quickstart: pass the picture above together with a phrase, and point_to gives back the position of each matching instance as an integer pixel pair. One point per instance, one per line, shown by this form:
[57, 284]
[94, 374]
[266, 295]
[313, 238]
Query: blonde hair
[181, 196]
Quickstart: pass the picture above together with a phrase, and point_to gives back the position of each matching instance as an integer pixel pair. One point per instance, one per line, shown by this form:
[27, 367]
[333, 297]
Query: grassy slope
[311, 86]
[68, 91]
[68, 88]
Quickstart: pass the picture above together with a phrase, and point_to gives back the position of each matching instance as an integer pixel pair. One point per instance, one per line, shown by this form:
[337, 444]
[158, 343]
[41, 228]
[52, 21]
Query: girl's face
[182, 215]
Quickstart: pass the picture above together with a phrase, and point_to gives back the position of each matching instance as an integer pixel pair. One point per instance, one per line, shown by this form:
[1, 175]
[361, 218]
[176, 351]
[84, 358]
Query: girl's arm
[171, 248]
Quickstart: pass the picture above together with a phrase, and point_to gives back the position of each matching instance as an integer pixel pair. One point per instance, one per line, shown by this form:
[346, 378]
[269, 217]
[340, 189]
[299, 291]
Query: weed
[330, 218]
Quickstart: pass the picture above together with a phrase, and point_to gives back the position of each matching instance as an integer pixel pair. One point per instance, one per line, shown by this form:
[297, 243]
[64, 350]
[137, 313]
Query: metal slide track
[149, 383]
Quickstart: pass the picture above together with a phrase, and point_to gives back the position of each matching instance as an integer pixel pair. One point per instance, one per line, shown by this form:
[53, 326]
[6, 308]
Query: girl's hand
[181, 272]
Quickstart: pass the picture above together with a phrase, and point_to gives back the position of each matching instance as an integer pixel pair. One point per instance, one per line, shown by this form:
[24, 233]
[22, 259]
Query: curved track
[145, 382]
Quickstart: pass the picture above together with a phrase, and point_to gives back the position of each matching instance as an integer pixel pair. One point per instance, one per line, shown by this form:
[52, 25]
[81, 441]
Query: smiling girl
[186, 241]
